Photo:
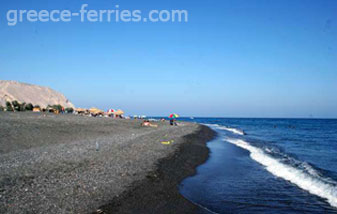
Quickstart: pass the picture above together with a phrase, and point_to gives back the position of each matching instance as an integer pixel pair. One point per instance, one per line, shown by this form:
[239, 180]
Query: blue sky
[234, 58]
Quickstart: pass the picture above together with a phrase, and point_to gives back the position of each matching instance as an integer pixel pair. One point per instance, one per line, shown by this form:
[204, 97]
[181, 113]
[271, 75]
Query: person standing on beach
[173, 122]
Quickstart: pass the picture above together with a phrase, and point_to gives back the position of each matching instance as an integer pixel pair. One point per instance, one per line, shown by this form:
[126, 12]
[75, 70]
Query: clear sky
[234, 58]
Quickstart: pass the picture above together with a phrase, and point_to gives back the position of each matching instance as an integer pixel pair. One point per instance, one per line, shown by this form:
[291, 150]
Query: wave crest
[305, 177]
[230, 129]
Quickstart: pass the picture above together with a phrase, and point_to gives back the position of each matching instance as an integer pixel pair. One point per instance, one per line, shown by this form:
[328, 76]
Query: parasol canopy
[119, 112]
[80, 109]
[96, 111]
[174, 115]
[111, 111]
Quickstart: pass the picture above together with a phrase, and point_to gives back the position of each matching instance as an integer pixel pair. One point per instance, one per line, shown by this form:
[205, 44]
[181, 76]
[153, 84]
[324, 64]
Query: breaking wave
[230, 129]
[300, 173]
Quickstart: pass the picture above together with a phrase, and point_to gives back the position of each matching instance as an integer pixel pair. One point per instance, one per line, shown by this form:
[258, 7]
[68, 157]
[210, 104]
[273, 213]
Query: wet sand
[75, 164]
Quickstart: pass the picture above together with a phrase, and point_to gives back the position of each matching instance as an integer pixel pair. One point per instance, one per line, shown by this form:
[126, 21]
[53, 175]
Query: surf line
[313, 185]
[229, 129]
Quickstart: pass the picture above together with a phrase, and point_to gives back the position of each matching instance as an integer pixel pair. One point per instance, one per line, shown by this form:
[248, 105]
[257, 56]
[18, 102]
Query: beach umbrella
[119, 112]
[174, 115]
[80, 109]
[96, 111]
[111, 111]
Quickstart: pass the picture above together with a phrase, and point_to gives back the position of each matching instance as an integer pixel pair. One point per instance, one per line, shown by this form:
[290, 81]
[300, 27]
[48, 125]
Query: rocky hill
[28, 93]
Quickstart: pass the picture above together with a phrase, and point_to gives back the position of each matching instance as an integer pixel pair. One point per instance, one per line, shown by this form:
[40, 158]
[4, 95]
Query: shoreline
[158, 192]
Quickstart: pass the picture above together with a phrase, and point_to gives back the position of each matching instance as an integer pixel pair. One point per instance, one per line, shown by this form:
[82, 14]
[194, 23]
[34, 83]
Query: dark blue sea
[267, 166]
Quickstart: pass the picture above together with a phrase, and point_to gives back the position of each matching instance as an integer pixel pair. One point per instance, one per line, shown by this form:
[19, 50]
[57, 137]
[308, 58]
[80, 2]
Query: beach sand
[75, 164]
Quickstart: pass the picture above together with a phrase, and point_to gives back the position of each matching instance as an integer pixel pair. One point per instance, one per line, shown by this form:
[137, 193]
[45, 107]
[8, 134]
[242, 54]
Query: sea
[267, 166]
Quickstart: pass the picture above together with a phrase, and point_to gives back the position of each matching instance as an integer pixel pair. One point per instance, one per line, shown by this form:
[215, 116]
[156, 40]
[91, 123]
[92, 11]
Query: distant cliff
[37, 95]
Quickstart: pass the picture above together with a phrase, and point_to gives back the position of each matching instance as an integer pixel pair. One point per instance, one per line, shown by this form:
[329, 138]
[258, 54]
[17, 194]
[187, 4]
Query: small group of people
[147, 123]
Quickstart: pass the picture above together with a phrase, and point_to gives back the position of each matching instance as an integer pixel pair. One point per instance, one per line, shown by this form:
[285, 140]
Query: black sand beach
[75, 164]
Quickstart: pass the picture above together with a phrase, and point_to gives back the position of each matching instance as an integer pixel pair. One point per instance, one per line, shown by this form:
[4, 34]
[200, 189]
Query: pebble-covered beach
[76, 164]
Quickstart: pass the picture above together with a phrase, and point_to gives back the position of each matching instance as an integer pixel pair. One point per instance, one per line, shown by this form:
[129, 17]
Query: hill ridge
[43, 96]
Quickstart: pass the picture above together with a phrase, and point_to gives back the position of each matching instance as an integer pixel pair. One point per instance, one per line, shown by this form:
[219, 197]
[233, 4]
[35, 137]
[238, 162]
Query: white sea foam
[233, 130]
[211, 125]
[311, 182]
